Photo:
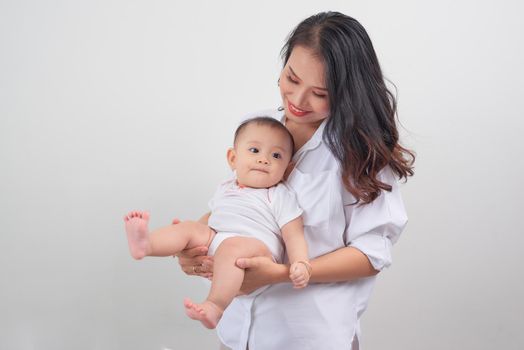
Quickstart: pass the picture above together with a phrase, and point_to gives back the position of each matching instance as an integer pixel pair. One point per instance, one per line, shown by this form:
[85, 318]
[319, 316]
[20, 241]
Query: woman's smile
[295, 110]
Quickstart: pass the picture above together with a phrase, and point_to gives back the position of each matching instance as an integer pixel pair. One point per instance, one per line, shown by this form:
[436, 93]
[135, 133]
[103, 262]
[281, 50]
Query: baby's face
[261, 156]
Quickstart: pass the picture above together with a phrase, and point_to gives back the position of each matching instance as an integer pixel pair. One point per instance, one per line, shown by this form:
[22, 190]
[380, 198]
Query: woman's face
[303, 88]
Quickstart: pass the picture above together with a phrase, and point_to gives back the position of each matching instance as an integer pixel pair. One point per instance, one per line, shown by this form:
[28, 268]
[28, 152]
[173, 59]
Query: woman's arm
[344, 264]
[371, 231]
[341, 265]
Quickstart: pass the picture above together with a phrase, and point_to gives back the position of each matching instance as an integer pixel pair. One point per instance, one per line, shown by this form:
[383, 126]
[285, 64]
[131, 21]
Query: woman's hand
[261, 271]
[194, 261]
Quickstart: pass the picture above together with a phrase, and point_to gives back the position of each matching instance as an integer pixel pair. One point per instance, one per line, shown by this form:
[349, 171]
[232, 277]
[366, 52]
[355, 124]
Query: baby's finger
[299, 280]
[297, 273]
[297, 285]
[300, 284]
[293, 276]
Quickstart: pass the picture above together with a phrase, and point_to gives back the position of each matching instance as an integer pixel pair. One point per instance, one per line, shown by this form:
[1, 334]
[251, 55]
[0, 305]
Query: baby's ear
[231, 158]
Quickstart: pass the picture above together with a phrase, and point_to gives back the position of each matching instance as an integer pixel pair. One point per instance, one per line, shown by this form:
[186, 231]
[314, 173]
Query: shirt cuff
[376, 247]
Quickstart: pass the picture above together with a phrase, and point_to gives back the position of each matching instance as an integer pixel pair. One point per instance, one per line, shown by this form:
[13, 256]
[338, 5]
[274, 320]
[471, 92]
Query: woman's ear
[231, 158]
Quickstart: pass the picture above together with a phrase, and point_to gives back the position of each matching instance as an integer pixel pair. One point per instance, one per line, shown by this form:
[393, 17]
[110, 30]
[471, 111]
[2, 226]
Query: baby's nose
[262, 161]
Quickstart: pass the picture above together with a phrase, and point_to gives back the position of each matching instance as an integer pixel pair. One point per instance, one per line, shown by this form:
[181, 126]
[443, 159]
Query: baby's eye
[277, 155]
[253, 150]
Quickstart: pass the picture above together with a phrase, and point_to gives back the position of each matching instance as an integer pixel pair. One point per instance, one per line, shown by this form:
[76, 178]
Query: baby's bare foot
[138, 233]
[208, 312]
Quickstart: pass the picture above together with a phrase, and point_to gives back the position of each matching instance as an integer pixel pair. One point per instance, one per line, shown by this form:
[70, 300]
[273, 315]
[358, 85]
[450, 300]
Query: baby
[250, 216]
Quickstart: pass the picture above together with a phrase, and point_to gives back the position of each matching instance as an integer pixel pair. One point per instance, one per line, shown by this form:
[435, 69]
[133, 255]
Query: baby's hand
[299, 273]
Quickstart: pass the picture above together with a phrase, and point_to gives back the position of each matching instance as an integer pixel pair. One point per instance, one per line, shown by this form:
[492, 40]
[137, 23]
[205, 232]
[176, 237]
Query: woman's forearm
[344, 264]
[280, 274]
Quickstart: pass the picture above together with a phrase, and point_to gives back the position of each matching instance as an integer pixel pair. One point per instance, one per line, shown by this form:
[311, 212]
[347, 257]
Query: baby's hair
[265, 121]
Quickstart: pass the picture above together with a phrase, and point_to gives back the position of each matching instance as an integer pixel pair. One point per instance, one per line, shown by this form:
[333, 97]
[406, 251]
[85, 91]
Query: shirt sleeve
[373, 228]
[284, 204]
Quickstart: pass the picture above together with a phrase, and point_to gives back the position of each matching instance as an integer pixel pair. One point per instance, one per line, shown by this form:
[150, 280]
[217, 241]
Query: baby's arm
[296, 246]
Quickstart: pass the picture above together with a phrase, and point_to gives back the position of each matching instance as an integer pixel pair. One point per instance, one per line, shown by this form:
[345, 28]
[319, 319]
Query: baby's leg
[227, 278]
[165, 241]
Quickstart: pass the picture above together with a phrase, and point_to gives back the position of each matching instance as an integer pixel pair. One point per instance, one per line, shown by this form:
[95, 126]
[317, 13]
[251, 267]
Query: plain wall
[109, 106]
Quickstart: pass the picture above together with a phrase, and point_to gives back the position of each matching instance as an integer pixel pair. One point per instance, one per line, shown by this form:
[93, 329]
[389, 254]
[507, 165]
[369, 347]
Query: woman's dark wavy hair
[361, 131]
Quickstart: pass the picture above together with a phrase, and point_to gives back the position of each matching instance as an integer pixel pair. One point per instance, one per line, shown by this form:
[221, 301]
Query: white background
[109, 106]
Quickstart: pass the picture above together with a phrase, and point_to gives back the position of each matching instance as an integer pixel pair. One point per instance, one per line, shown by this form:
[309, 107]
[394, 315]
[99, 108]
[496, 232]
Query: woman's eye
[253, 150]
[291, 80]
[319, 95]
[277, 155]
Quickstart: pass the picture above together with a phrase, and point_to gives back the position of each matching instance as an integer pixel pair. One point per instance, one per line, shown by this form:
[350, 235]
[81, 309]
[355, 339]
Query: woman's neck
[301, 132]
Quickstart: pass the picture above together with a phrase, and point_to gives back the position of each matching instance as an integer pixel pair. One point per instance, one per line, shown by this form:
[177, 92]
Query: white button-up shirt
[321, 316]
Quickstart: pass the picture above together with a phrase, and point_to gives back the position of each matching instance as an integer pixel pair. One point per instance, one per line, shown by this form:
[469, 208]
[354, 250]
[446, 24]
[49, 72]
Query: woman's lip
[296, 111]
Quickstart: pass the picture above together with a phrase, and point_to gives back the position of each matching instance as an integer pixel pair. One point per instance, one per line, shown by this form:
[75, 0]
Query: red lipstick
[295, 110]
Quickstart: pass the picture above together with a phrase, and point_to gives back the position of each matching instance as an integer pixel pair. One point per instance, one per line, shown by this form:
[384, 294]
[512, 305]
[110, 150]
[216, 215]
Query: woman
[342, 118]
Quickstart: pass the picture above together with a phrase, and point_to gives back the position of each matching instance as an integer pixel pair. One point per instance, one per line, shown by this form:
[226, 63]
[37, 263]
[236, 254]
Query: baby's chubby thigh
[234, 247]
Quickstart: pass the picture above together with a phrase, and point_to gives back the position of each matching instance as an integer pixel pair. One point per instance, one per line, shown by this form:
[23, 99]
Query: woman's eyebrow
[295, 74]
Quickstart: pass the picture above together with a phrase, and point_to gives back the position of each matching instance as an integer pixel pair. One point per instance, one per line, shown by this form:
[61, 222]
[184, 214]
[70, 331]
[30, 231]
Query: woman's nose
[300, 97]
